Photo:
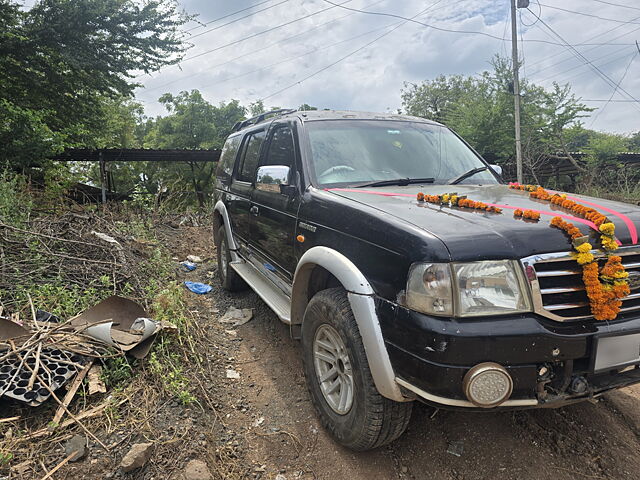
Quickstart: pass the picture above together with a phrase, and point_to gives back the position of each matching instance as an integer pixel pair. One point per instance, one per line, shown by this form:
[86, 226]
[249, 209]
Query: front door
[274, 210]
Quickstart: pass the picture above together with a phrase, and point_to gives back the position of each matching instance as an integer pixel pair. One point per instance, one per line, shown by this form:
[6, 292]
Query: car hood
[473, 235]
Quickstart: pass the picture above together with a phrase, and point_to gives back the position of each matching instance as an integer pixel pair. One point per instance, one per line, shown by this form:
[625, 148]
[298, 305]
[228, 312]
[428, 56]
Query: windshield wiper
[468, 174]
[398, 181]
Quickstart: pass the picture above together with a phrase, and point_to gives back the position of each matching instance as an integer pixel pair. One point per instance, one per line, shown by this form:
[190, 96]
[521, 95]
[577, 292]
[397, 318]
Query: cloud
[373, 78]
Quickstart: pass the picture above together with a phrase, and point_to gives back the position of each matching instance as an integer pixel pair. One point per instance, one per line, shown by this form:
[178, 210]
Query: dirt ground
[262, 425]
[267, 413]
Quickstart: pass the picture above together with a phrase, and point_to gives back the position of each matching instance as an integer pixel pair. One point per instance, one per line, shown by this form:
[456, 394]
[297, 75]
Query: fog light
[487, 385]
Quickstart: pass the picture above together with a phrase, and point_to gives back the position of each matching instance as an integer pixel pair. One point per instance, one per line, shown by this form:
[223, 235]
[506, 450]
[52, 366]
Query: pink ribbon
[509, 207]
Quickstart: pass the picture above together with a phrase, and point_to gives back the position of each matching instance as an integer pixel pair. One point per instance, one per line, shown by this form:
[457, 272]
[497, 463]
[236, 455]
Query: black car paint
[384, 230]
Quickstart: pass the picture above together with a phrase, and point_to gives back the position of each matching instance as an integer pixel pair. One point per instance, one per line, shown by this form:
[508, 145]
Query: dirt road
[271, 428]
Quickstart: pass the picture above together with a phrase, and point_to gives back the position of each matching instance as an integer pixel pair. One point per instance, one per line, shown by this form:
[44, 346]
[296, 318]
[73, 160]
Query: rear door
[274, 209]
[242, 187]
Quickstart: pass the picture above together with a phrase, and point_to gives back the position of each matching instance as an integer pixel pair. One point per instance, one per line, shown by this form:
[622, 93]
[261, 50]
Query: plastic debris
[106, 238]
[120, 323]
[194, 259]
[456, 448]
[232, 373]
[189, 266]
[199, 288]
[237, 316]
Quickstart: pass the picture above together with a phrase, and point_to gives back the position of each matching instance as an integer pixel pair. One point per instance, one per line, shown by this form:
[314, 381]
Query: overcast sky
[372, 78]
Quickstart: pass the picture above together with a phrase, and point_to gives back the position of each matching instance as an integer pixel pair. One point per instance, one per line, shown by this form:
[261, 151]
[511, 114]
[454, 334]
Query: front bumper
[431, 355]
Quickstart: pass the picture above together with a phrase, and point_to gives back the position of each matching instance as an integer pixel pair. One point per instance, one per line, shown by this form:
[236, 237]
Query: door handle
[254, 211]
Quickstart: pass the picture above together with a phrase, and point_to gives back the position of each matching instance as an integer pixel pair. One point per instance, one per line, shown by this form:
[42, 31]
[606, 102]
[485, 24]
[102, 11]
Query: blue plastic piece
[189, 266]
[199, 288]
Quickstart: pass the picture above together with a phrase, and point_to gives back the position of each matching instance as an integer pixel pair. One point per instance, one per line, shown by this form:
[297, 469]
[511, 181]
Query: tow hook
[578, 385]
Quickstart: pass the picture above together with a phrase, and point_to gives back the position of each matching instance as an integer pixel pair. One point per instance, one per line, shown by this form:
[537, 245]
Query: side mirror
[274, 178]
[497, 169]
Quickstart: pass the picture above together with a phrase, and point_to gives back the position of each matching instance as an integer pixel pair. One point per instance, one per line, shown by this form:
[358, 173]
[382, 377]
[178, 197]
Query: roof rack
[261, 118]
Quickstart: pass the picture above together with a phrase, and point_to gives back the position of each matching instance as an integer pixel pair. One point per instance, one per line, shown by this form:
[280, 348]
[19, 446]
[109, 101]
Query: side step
[266, 290]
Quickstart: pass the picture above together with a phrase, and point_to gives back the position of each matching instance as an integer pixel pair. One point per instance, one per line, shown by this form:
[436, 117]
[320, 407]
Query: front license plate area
[616, 352]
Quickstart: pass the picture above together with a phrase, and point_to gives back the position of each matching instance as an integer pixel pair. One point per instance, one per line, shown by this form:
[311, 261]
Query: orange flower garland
[607, 286]
[530, 214]
[455, 200]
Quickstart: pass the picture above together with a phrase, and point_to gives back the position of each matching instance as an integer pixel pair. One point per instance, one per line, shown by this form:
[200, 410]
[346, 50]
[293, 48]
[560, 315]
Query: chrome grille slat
[557, 289]
[550, 291]
[557, 273]
[565, 306]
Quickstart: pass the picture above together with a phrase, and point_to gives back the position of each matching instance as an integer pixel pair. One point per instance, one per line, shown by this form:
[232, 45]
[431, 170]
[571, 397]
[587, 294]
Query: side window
[281, 149]
[227, 159]
[251, 155]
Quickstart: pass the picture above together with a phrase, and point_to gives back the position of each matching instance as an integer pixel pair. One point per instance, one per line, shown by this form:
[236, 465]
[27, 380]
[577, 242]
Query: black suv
[396, 299]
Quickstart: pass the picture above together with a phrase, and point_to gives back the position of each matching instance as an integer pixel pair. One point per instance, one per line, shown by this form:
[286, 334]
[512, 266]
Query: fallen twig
[60, 465]
[73, 388]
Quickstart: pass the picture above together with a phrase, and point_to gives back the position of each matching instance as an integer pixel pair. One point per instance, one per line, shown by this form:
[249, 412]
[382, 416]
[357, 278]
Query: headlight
[429, 288]
[491, 287]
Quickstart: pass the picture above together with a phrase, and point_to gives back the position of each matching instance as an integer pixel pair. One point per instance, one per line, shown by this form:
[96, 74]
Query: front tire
[230, 280]
[339, 380]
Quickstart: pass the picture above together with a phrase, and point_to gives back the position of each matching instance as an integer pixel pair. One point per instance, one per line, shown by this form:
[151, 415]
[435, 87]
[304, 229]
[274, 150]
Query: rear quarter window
[227, 159]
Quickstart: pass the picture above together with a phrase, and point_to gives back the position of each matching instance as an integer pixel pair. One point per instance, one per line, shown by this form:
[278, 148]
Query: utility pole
[516, 83]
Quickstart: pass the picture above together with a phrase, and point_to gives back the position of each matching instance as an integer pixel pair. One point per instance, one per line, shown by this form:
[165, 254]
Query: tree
[61, 59]
[480, 109]
[634, 142]
[192, 123]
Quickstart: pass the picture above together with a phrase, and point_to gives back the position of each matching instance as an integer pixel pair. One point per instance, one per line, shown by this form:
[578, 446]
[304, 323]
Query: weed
[117, 371]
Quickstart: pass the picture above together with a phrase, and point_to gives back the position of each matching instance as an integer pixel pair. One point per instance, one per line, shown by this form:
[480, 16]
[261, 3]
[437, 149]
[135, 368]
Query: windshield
[349, 152]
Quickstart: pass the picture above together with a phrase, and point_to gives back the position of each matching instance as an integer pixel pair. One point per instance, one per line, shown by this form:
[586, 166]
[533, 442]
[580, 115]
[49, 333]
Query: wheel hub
[333, 369]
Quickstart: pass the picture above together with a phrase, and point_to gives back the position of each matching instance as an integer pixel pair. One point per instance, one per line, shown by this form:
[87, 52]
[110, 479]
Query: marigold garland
[455, 200]
[530, 214]
[607, 286]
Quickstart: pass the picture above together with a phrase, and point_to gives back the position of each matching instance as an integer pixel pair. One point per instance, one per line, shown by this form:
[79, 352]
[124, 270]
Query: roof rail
[261, 118]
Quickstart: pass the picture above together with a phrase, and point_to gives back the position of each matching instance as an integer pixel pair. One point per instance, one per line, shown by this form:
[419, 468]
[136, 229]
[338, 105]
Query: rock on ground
[139, 454]
[77, 443]
[196, 470]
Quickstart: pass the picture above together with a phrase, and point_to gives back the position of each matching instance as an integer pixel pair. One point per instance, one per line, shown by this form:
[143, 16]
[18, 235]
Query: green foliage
[117, 371]
[634, 142]
[164, 362]
[61, 59]
[480, 109]
[192, 123]
[62, 299]
[15, 202]
[25, 134]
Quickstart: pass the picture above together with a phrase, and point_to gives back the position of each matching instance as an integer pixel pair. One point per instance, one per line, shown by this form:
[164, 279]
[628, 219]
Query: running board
[266, 290]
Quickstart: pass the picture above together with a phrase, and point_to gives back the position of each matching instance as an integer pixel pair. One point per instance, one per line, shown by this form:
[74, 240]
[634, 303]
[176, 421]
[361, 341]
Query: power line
[448, 30]
[615, 89]
[289, 59]
[237, 20]
[253, 52]
[226, 16]
[590, 38]
[262, 32]
[235, 42]
[603, 75]
[605, 100]
[616, 4]
[326, 67]
[588, 50]
[607, 55]
[590, 15]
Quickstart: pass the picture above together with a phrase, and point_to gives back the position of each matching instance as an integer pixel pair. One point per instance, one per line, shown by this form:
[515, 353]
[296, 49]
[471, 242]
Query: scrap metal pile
[39, 357]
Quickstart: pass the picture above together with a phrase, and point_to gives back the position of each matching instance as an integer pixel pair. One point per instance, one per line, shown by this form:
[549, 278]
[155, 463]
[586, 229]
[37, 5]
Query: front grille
[558, 290]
